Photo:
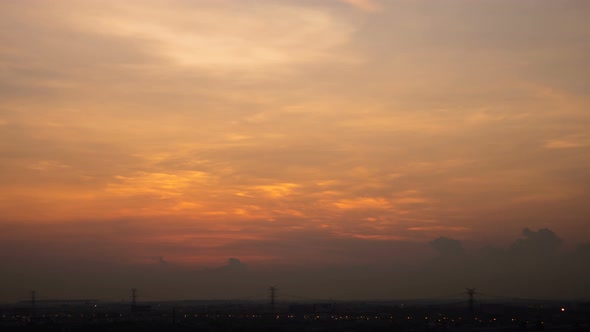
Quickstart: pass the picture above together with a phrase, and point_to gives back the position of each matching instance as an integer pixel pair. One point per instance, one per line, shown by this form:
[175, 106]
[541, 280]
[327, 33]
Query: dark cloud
[375, 268]
[447, 247]
[583, 250]
[233, 265]
[160, 260]
[541, 242]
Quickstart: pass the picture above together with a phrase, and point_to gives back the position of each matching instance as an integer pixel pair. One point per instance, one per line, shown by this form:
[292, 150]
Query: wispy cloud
[568, 142]
[237, 37]
[366, 5]
[217, 125]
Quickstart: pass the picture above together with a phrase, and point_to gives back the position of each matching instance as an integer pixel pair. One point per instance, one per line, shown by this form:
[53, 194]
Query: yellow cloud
[363, 203]
[184, 205]
[236, 36]
[366, 5]
[163, 185]
[438, 228]
[47, 165]
[277, 190]
[565, 143]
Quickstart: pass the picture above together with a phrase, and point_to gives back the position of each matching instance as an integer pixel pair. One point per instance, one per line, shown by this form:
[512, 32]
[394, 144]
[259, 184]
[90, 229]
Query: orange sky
[198, 130]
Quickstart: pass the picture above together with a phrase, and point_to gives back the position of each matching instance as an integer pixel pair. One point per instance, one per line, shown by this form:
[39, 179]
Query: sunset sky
[300, 133]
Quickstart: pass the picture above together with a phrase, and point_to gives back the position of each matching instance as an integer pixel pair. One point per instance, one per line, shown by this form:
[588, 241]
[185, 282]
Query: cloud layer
[532, 266]
[260, 129]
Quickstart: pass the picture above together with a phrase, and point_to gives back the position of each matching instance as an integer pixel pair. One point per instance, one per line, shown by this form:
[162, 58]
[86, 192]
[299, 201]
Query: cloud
[160, 260]
[363, 203]
[373, 270]
[583, 250]
[277, 190]
[537, 243]
[47, 165]
[238, 37]
[162, 185]
[320, 140]
[233, 265]
[447, 247]
[366, 5]
[439, 228]
[567, 143]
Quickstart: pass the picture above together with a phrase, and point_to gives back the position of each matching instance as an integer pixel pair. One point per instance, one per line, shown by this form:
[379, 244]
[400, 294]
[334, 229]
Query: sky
[293, 141]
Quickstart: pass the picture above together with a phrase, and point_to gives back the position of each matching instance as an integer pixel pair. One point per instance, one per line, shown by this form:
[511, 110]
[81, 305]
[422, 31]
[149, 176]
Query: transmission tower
[272, 294]
[471, 301]
[133, 297]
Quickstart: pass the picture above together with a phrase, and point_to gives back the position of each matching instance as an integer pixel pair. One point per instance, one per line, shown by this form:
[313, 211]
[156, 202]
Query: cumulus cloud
[375, 273]
[233, 265]
[447, 247]
[583, 250]
[160, 260]
[541, 242]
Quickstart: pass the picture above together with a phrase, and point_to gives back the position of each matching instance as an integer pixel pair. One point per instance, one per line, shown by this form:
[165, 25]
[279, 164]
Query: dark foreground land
[351, 316]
